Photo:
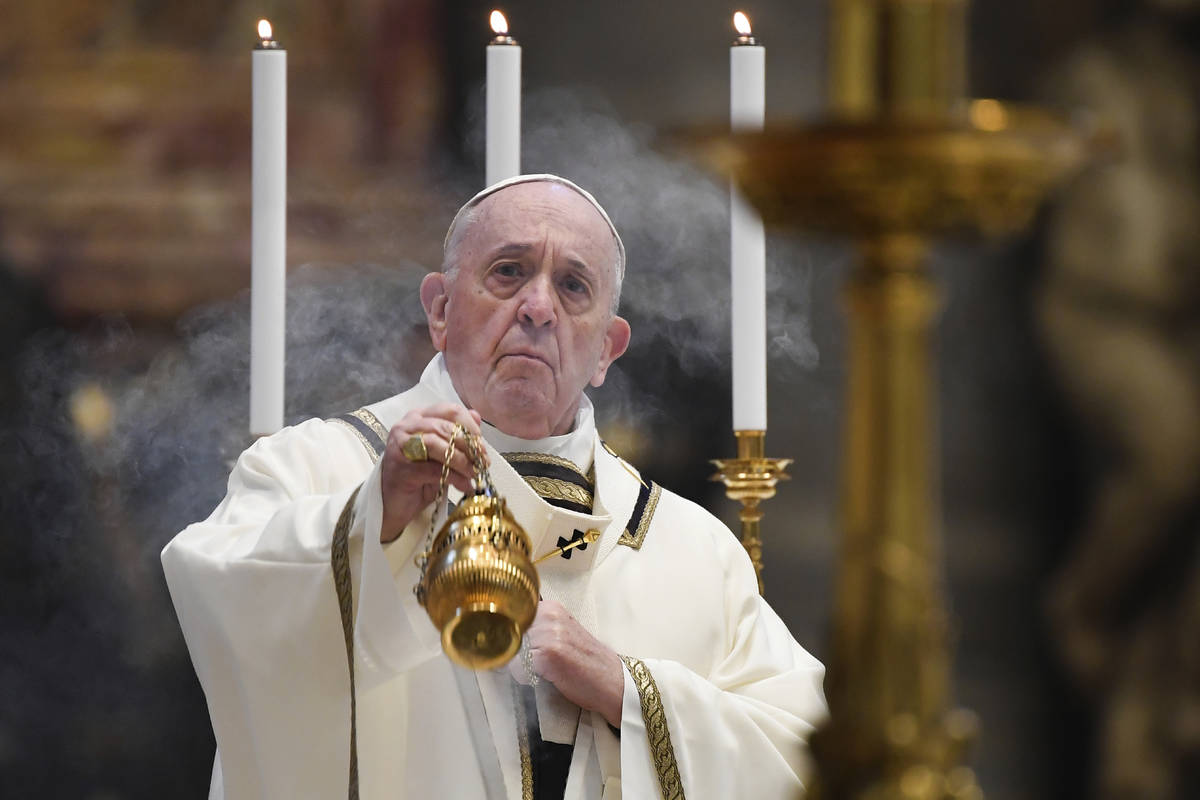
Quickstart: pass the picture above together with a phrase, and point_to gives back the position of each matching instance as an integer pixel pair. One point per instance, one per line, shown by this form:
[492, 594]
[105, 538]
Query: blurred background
[1069, 356]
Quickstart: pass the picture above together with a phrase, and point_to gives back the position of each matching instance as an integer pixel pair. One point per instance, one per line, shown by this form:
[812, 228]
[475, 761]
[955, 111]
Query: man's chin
[522, 407]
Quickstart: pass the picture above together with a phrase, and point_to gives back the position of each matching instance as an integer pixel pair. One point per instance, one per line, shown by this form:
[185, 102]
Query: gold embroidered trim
[372, 422]
[655, 718]
[545, 458]
[339, 560]
[358, 435]
[523, 742]
[555, 489]
[638, 536]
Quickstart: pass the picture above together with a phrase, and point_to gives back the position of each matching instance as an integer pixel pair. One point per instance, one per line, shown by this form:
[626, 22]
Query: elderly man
[653, 668]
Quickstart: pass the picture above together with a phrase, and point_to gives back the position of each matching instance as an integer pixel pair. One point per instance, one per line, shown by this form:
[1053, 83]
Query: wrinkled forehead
[532, 205]
[531, 212]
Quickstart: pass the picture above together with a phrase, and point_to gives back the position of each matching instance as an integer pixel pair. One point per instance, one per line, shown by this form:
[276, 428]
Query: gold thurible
[478, 583]
[751, 478]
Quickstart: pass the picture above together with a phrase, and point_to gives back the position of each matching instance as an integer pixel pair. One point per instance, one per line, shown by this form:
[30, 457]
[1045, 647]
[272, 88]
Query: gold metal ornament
[751, 478]
[904, 156]
[592, 535]
[414, 449]
[478, 583]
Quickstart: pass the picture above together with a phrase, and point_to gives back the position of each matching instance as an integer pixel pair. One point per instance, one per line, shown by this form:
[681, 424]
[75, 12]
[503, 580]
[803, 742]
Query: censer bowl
[480, 587]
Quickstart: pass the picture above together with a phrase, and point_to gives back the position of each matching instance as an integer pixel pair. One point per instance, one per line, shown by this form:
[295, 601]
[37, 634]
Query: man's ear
[616, 341]
[434, 296]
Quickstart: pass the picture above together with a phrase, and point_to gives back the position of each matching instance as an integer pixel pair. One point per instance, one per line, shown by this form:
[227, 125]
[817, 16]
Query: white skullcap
[543, 177]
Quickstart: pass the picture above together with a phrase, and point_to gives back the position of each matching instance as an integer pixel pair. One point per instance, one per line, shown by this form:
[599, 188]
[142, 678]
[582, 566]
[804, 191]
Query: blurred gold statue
[1120, 313]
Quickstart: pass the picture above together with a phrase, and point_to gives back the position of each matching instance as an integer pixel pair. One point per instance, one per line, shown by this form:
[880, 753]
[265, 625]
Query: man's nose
[537, 303]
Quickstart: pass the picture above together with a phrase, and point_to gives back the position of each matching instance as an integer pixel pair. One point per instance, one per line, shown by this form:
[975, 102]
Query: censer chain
[481, 477]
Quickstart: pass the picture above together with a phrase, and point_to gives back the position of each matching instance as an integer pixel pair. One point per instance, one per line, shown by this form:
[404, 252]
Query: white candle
[268, 231]
[747, 82]
[503, 104]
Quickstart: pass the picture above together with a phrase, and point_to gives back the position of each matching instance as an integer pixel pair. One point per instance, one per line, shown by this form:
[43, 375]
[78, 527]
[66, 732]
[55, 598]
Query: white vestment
[719, 699]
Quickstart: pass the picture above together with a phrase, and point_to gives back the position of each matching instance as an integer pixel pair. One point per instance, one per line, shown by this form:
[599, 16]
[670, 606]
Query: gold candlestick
[750, 478]
[903, 157]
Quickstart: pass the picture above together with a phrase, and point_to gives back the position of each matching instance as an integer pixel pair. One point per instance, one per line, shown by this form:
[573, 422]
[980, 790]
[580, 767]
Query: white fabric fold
[558, 717]
[389, 642]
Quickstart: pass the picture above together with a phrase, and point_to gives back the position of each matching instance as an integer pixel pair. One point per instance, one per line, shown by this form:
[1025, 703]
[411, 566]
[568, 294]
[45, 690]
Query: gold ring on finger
[414, 449]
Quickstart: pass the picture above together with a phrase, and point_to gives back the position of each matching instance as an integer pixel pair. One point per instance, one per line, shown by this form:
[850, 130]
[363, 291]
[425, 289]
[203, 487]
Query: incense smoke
[674, 220]
[356, 335]
[94, 509]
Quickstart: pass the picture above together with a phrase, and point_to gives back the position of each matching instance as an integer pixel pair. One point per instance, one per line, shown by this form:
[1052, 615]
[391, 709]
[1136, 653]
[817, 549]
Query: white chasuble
[719, 698]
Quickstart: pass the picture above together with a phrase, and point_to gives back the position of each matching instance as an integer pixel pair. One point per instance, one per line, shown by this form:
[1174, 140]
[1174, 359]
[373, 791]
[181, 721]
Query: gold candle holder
[751, 478]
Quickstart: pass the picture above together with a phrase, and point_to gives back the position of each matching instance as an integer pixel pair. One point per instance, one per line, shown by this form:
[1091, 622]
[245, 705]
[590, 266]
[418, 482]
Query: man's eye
[575, 286]
[507, 270]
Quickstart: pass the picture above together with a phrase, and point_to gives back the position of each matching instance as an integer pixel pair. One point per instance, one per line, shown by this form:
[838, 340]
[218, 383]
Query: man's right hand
[409, 486]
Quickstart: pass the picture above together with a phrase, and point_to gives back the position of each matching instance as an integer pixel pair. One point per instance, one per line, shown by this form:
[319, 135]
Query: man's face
[526, 322]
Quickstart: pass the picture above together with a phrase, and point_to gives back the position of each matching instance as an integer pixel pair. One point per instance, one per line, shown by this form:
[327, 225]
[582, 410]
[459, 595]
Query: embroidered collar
[556, 480]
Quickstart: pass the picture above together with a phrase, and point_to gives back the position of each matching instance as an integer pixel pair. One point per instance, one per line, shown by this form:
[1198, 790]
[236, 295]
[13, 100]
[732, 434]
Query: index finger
[468, 418]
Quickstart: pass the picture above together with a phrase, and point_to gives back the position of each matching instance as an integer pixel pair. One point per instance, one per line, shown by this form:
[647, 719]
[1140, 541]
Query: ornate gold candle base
[750, 478]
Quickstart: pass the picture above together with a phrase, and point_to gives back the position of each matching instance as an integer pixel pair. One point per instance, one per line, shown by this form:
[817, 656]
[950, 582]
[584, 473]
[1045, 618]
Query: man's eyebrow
[580, 266]
[512, 249]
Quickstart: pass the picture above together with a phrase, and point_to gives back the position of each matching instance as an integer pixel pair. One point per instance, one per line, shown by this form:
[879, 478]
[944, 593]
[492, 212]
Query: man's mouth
[524, 356]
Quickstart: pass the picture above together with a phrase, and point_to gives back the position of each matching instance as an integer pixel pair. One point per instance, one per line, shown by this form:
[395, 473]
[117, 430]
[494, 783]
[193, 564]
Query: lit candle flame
[499, 23]
[264, 29]
[741, 23]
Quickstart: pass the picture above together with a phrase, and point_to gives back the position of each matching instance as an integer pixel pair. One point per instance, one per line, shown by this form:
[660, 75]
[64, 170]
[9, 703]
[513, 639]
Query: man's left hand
[584, 669]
